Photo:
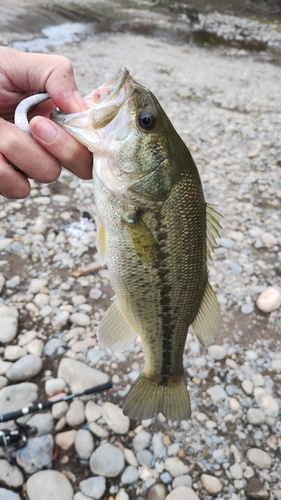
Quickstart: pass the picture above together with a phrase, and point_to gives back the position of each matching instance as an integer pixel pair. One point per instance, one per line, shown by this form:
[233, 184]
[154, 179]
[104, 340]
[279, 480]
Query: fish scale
[155, 232]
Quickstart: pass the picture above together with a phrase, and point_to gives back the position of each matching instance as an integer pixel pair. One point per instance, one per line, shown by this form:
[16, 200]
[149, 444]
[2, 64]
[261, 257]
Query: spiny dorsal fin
[207, 322]
[213, 228]
[115, 329]
[101, 241]
[145, 244]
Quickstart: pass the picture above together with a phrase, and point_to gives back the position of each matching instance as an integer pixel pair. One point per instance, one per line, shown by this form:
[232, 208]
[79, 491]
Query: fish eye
[147, 120]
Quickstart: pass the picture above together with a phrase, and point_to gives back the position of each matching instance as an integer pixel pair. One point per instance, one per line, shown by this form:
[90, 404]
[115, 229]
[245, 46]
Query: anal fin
[115, 330]
[207, 322]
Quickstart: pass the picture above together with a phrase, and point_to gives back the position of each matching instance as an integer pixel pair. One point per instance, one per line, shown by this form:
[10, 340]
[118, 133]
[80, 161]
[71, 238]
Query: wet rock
[75, 414]
[51, 485]
[93, 487]
[259, 458]
[10, 475]
[175, 466]
[157, 492]
[182, 492]
[79, 376]
[66, 439]
[37, 454]
[8, 495]
[115, 419]
[211, 484]
[25, 368]
[256, 490]
[107, 460]
[255, 416]
[84, 443]
[269, 300]
[130, 475]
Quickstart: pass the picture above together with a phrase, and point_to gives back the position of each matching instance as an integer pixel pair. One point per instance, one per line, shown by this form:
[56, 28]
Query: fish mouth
[104, 103]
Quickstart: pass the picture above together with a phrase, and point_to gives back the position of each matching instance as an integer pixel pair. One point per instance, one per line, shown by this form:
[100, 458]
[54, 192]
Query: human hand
[21, 75]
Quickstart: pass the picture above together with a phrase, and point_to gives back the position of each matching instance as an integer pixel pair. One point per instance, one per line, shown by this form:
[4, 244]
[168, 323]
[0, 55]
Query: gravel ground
[224, 103]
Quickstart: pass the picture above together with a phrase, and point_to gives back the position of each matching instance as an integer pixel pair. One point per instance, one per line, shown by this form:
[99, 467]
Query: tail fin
[147, 398]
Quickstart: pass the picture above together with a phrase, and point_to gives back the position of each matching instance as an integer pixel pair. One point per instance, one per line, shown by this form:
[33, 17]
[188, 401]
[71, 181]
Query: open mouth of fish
[104, 104]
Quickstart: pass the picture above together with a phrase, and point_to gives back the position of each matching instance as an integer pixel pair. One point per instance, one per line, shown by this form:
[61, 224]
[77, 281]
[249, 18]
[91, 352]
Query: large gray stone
[25, 368]
[80, 376]
[84, 443]
[37, 454]
[49, 485]
[211, 484]
[10, 475]
[14, 397]
[182, 492]
[93, 487]
[107, 460]
[115, 418]
[259, 458]
[8, 495]
[43, 422]
[9, 328]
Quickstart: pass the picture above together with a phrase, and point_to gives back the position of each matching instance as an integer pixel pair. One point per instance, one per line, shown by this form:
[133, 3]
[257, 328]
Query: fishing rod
[20, 433]
[47, 404]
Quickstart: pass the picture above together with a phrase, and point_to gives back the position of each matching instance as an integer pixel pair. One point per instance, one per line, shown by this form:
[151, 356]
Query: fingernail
[79, 100]
[43, 129]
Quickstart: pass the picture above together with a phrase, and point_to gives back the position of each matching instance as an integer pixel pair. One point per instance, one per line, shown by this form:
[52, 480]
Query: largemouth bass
[155, 232]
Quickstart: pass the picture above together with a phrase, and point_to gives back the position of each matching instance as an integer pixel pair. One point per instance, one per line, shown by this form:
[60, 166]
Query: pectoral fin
[115, 330]
[213, 228]
[208, 319]
[145, 244]
[101, 241]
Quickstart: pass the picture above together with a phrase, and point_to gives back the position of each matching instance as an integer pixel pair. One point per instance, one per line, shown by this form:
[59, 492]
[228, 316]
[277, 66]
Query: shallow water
[55, 35]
